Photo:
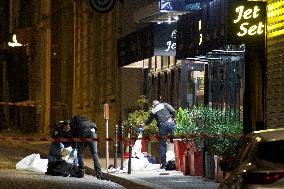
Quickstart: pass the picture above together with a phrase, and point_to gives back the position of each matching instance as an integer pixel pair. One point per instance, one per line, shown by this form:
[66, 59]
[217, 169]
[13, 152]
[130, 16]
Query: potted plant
[211, 122]
[188, 150]
[137, 118]
[184, 125]
[222, 129]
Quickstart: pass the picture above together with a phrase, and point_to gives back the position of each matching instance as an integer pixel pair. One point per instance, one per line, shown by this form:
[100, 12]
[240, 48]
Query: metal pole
[107, 145]
[115, 147]
[130, 150]
[122, 148]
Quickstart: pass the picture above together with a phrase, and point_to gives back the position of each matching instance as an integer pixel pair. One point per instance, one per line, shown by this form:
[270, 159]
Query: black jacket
[82, 126]
[161, 112]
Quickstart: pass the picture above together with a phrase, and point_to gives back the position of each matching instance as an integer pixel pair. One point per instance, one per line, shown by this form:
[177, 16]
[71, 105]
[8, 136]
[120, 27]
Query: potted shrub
[210, 122]
[217, 122]
[188, 150]
[137, 118]
[184, 125]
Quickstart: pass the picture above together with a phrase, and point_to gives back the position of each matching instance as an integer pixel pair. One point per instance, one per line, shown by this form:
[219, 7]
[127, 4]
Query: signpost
[106, 117]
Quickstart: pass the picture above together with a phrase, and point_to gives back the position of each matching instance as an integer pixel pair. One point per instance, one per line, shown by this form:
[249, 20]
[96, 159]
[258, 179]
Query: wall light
[15, 42]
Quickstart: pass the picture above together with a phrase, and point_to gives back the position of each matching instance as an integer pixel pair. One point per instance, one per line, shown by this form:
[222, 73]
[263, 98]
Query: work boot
[81, 173]
[163, 166]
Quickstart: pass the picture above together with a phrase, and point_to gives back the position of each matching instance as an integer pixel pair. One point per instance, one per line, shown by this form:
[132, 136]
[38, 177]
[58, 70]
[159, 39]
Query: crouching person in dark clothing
[82, 127]
[60, 130]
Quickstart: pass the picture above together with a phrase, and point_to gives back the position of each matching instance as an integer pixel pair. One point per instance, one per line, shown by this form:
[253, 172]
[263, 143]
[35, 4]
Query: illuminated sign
[165, 39]
[200, 34]
[244, 17]
[170, 43]
[182, 5]
[247, 22]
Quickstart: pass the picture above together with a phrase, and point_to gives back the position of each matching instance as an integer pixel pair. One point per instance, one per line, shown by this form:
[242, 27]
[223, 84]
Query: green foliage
[188, 122]
[217, 122]
[184, 123]
[213, 121]
[138, 117]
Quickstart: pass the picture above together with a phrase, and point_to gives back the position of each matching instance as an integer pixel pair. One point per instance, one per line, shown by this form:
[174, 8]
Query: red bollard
[198, 163]
[186, 163]
[179, 148]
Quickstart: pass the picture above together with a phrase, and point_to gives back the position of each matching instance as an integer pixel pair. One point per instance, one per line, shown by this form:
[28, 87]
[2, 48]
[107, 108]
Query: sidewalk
[154, 179]
[165, 180]
[141, 179]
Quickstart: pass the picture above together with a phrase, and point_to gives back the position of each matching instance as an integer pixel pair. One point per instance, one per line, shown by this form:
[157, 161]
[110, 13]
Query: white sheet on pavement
[33, 163]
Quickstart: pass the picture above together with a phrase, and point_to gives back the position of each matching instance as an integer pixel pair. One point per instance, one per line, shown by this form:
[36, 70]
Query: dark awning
[219, 25]
[136, 46]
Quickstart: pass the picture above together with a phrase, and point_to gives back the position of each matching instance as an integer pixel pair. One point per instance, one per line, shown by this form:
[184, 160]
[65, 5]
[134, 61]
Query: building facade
[72, 63]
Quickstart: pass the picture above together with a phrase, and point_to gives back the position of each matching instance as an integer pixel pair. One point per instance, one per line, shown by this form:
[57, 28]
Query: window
[271, 151]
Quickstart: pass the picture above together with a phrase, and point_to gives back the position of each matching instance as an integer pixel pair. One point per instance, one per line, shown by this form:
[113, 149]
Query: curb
[126, 182]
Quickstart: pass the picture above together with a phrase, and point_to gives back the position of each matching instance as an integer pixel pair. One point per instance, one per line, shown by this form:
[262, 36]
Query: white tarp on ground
[140, 163]
[33, 163]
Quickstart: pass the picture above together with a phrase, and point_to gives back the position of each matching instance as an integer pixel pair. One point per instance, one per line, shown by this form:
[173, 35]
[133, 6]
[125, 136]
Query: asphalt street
[12, 178]
[12, 152]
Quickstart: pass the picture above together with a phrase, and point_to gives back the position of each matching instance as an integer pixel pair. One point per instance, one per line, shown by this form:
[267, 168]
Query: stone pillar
[44, 58]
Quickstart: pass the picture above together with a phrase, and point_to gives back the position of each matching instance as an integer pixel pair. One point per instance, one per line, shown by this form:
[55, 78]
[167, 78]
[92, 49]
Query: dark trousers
[165, 129]
[94, 151]
[54, 152]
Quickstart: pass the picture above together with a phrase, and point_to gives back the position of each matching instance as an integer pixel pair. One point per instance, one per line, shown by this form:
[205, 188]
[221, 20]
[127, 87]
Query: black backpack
[62, 168]
[81, 126]
[171, 165]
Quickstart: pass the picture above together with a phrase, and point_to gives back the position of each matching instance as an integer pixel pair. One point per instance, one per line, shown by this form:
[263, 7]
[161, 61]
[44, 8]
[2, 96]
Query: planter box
[179, 149]
[186, 162]
[219, 174]
[144, 146]
[209, 166]
[195, 163]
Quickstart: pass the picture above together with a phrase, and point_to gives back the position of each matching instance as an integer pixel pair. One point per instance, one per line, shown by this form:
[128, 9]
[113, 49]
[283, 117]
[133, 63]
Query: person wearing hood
[164, 114]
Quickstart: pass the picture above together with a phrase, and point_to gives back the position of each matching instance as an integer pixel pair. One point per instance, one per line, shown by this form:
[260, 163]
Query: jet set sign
[244, 16]
[248, 20]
